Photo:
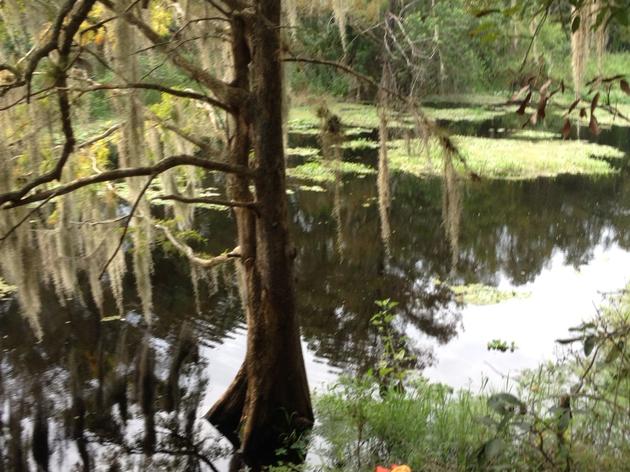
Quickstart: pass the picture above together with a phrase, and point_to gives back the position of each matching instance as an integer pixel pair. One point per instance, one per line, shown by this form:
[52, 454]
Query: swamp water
[559, 244]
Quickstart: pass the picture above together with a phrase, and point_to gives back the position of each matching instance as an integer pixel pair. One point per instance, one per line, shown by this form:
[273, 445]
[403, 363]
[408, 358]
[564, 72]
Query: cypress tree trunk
[268, 404]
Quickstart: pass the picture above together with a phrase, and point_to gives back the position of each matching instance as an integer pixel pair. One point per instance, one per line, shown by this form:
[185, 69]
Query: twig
[531, 43]
[209, 200]
[28, 215]
[14, 200]
[189, 253]
[126, 227]
[108, 132]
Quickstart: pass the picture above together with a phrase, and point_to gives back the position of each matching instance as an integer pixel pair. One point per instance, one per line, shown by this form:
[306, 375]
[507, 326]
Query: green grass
[472, 99]
[324, 171]
[572, 410]
[429, 427]
[354, 115]
[535, 134]
[479, 294]
[471, 113]
[303, 152]
[510, 158]
[613, 64]
[366, 116]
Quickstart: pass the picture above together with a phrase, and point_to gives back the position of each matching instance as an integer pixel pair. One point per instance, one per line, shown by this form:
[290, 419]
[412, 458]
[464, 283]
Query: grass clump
[472, 113]
[429, 427]
[571, 414]
[515, 159]
[303, 152]
[355, 115]
[325, 171]
[480, 294]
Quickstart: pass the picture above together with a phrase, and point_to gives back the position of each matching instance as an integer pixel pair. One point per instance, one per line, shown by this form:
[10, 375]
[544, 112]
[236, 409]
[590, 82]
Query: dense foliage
[569, 414]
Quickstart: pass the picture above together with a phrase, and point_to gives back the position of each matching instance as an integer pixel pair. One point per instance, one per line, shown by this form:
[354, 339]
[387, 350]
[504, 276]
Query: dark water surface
[565, 240]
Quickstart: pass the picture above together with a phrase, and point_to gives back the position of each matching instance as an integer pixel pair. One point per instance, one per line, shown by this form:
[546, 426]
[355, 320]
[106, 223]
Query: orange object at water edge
[393, 468]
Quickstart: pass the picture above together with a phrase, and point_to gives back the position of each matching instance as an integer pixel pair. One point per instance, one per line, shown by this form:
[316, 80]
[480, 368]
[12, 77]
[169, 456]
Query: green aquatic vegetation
[480, 294]
[534, 134]
[429, 426]
[303, 152]
[6, 290]
[312, 188]
[471, 99]
[509, 158]
[610, 117]
[352, 115]
[572, 411]
[324, 171]
[362, 143]
[471, 113]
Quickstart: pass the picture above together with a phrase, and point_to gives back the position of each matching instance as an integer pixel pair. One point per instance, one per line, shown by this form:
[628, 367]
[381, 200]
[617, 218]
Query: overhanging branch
[14, 199]
[209, 201]
[226, 94]
[189, 253]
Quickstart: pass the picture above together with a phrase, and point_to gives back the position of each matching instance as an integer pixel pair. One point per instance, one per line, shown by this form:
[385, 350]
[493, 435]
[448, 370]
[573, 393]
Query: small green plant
[500, 345]
[395, 358]
[571, 414]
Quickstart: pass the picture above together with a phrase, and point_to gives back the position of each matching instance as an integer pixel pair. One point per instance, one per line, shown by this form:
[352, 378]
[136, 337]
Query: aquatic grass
[471, 99]
[427, 424]
[472, 113]
[480, 294]
[535, 134]
[354, 115]
[303, 152]
[312, 188]
[514, 159]
[365, 117]
[572, 410]
[324, 171]
[362, 143]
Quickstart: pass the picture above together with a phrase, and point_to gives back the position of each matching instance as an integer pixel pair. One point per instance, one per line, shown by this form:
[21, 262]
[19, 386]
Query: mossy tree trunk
[268, 405]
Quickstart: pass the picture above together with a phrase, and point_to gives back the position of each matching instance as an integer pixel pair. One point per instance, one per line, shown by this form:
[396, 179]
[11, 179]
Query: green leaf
[488, 421]
[492, 449]
[589, 344]
[613, 354]
[504, 403]
[564, 420]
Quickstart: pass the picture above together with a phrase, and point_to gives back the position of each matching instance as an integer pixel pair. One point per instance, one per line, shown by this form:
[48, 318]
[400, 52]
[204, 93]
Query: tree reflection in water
[108, 388]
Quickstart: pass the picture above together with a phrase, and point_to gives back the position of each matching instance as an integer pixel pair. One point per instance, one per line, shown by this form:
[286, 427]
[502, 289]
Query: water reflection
[114, 392]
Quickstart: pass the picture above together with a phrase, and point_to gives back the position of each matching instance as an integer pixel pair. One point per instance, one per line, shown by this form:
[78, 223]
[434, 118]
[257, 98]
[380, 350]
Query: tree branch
[448, 146]
[105, 134]
[160, 88]
[14, 199]
[229, 96]
[189, 253]
[209, 201]
[127, 223]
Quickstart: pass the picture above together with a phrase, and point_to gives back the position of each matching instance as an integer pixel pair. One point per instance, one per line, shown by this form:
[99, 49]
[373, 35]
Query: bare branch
[160, 88]
[105, 134]
[13, 199]
[26, 217]
[209, 201]
[127, 223]
[189, 253]
[178, 131]
[229, 96]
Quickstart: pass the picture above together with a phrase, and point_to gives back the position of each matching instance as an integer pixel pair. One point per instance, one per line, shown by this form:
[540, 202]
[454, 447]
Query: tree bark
[267, 407]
